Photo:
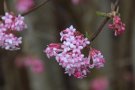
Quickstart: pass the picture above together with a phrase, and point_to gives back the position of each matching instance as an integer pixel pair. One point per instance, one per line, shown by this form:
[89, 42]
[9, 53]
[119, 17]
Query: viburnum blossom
[118, 26]
[53, 49]
[24, 5]
[97, 58]
[8, 26]
[34, 63]
[99, 83]
[69, 53]
[13, 22]
[75, 2]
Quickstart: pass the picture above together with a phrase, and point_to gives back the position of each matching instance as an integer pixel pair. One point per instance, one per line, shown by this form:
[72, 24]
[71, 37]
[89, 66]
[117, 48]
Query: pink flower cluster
[8, 26]
[35, 64]
[97, 58]
[118, 26]
[24, 5]
[68, 53]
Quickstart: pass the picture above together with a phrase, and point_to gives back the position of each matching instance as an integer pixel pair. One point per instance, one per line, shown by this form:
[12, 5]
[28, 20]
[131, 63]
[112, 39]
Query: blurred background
[30, 69]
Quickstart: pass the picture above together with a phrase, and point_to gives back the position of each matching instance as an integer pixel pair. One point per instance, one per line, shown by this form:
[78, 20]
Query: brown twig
[116, 4]
[101, 26]
[33, 9]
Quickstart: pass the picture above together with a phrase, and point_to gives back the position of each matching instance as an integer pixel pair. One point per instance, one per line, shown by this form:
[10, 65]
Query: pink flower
[99, 83]
[10, 24]
[13, 22]
[73, 40]
[74, 63]
[97, 58]
[24, 5]
[52, 49]
[76, 2]
[118, 26]
[10, 42]
[7, 18]
[68, 53]
[37, 66]
[34, 63]
[19, 24]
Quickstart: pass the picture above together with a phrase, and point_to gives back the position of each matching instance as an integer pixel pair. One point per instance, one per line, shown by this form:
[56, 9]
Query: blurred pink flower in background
[99, 83]
[34, 63]
[24, 5]
[75, 2]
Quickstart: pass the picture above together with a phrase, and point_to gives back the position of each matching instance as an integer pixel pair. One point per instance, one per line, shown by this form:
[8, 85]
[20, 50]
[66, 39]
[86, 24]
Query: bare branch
[101, 26]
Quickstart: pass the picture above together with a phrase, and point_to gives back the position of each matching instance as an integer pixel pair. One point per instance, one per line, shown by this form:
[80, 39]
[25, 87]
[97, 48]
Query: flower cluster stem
[101, 26]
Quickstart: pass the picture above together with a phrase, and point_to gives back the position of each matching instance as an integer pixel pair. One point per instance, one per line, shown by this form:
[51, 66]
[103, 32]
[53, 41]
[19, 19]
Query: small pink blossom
[74, 64]
[99, 83]
[75, 2]
[37, 66]
[52, 49]
[118, 26]
[10, 42]
[8, 26]
[24, 5]
[13, 22]
[97, 58]
[19, 24]
[34, 63]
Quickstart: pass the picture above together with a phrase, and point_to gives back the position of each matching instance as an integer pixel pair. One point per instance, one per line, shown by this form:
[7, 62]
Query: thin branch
[35, 8]
[116, 4]
[101, 26]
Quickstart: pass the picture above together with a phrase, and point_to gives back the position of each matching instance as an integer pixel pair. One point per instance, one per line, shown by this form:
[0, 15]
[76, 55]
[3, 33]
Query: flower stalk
[103, 23]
